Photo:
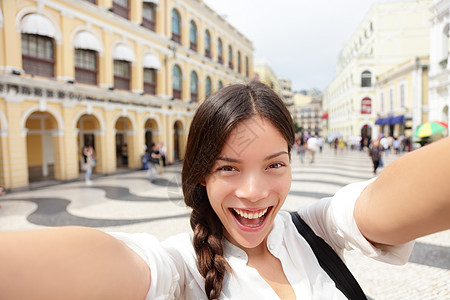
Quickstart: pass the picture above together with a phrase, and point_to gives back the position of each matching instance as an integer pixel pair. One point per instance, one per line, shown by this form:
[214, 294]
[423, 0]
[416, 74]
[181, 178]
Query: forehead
[254, 135]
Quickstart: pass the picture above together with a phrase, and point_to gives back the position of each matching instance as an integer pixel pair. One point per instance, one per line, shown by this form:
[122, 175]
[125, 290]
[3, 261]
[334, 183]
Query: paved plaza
[129, 202]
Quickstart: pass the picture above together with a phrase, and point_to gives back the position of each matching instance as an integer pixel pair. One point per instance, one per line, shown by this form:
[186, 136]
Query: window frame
[219, 51]
[149, 23]
[150, 86]
[122, 82]
[208, 44]
[193, 36]
[230, 57]
[120, 10]
[82, 74]
[366, 78]
[34, 64]
[177, 93]
[208, 86]
[176, 35]
[194, 92]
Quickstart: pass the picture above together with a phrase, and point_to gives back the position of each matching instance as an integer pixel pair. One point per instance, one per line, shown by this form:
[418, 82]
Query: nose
[252, 187]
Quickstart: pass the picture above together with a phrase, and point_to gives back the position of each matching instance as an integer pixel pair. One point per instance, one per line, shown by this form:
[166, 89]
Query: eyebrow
[233, 160]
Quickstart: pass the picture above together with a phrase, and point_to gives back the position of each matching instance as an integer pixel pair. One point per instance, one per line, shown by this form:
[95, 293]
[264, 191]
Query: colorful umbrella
[430, 128]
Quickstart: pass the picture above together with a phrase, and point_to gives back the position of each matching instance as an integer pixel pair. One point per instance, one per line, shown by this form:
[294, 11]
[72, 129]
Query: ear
[203, 183]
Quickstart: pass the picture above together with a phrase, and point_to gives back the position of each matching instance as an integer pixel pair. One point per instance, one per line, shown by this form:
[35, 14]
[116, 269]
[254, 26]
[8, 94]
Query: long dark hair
[214, 120]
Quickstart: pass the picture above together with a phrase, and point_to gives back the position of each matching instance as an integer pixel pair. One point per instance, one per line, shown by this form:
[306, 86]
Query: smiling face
[249, 181]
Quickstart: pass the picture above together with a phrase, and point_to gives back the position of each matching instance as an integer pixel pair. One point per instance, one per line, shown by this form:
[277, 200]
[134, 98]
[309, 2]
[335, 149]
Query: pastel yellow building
[114, 74]
[402, 97]
[264, 73]
[390, 34]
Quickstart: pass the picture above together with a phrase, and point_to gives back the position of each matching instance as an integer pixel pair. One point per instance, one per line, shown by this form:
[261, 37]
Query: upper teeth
[250, 215]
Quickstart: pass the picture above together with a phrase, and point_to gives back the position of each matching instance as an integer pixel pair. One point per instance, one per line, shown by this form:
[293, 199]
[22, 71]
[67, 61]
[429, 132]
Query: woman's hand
[409, 199]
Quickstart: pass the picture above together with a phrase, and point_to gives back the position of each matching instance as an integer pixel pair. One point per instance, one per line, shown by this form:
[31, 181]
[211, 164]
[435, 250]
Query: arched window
[366, 79]
[123, 56]
[38, 54]
[176, 26]
[87, 48]
[220, 85]
[193, 36]
[207, 44]
[176, 82]
[219, 51]
[239, 61]
[230, 57]
[246, 67]
[149, 15]
[86, 66]
[151, 65]
[194, 87]
[208, 86]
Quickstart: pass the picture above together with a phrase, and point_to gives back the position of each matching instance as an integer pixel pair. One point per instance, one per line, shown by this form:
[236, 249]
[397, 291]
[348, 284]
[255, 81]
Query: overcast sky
[300, 39]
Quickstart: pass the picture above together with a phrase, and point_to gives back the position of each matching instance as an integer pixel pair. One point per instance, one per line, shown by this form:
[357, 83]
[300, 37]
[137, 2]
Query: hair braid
[207, 242]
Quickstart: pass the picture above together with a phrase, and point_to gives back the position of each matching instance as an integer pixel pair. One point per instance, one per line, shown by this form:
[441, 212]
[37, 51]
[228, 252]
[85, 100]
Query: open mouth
[250, 220]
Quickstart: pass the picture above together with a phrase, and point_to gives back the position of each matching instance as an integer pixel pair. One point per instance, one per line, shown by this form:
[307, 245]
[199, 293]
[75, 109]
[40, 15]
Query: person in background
[375, 151]
[153, 161]
[162, 152]
[312, 147]
[88, 163]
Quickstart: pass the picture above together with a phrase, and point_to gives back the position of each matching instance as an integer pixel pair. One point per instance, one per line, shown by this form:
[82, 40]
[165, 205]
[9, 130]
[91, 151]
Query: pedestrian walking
[162, 152]
[312, 147]
[88, 162]
[236, 176]
[153, 158]
[375, 151]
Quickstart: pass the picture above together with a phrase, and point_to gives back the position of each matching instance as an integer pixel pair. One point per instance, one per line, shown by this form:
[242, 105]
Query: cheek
[216, 191]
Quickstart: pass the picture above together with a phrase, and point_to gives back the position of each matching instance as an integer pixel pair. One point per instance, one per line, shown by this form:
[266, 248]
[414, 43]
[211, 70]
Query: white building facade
[390, 34]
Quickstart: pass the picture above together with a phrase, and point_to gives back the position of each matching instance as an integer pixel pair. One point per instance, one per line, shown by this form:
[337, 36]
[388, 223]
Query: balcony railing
[176, 37]
[150, 88]
[37, 66]
[176, 94]
[149, 24]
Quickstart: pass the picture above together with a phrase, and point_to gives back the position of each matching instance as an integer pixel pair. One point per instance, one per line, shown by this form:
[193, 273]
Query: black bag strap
[330, 261]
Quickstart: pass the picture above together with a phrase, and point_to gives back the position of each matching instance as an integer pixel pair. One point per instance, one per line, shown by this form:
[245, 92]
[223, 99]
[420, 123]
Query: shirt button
[271, 246]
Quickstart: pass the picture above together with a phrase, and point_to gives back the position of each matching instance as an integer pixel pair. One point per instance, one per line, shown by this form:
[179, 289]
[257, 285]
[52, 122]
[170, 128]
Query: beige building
[390, 34]
[402, 98]
[114, 74]
[308, 112]
[287, 93]
[264, 73]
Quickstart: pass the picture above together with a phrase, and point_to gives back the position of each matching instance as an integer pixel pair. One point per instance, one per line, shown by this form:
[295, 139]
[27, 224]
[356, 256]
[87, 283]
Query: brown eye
[276, 165]
[226, 169]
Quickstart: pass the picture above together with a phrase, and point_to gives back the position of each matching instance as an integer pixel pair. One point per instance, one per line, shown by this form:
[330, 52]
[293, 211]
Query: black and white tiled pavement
[131, 203]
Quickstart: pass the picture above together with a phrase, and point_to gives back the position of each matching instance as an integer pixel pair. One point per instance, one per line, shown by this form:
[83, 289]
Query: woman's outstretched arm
[409, 199]
[69, 263]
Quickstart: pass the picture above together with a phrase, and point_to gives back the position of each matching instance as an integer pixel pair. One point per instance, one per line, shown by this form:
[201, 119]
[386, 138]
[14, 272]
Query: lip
[256, 228]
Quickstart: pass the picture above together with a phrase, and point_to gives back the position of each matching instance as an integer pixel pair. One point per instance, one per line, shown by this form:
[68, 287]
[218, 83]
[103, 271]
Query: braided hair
[215, 118]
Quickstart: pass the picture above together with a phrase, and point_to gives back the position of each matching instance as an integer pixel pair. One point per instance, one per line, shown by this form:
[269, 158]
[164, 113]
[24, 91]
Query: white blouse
[174, 273]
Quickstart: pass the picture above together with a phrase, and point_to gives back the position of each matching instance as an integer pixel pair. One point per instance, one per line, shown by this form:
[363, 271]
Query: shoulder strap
[330, 261]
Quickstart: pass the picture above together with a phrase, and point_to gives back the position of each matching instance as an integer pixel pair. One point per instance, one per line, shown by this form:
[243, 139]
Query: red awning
[325, 116]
